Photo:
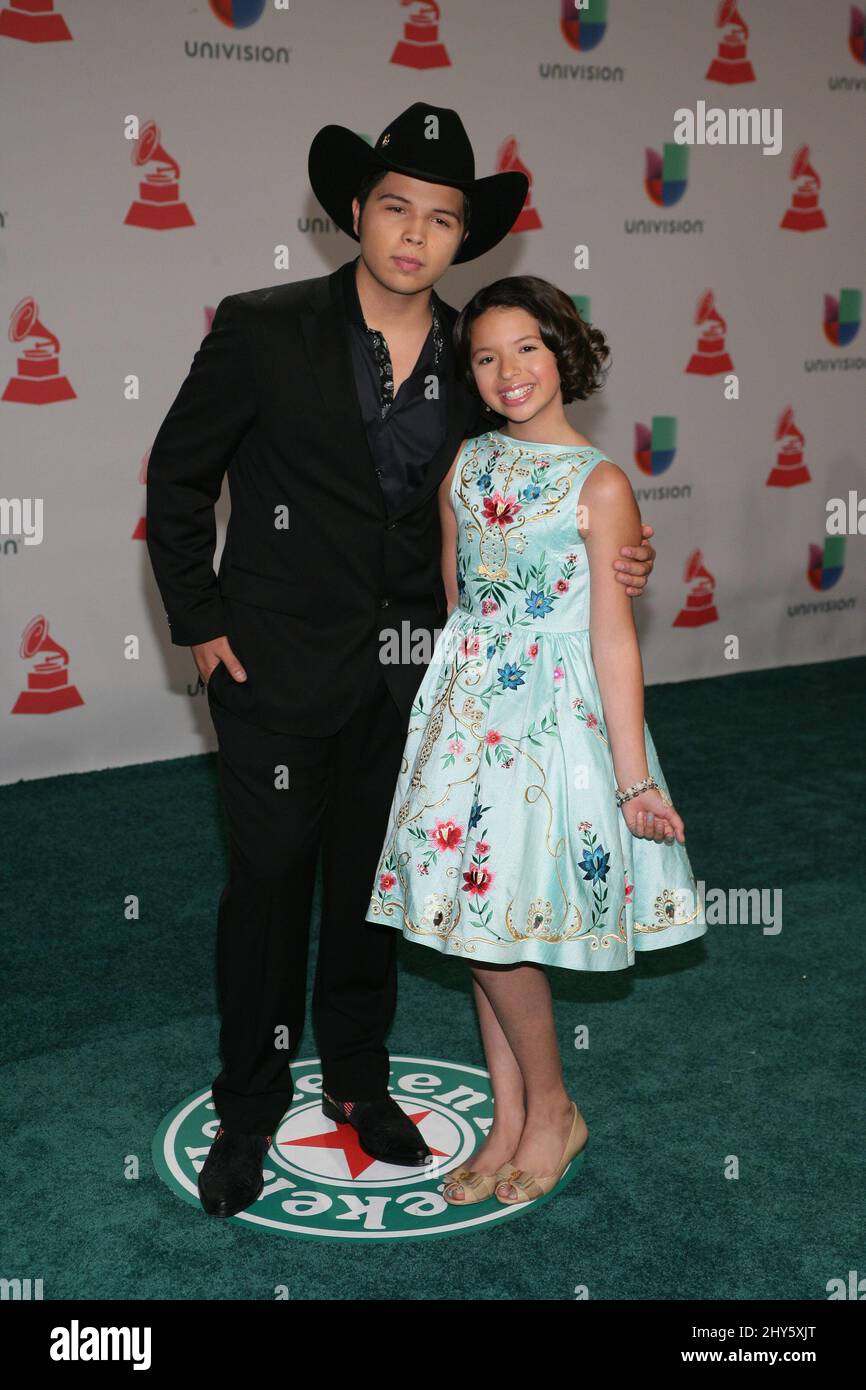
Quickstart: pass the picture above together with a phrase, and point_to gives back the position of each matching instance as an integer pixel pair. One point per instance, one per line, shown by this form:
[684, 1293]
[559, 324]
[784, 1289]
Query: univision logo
[319, 1182]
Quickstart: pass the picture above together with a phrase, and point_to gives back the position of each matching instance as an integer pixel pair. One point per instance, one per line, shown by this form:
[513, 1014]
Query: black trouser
[338, 797]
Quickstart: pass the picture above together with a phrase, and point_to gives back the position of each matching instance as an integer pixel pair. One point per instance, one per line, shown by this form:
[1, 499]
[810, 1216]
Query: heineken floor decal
[319, 1182]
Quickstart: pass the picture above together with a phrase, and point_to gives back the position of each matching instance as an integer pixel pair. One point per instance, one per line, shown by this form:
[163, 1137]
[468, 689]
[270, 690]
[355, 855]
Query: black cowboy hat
[339, 159]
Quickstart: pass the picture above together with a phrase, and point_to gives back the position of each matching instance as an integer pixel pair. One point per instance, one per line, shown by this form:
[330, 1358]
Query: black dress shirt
[403, 433]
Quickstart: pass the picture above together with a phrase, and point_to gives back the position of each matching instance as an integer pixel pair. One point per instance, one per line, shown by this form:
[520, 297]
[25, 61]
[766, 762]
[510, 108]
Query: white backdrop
[740, 509]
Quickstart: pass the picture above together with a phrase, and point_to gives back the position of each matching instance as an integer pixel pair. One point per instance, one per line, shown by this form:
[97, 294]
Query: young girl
[531, 824]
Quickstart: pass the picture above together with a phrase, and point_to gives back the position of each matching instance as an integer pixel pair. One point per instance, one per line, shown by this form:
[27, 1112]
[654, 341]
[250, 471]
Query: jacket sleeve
[196, 442]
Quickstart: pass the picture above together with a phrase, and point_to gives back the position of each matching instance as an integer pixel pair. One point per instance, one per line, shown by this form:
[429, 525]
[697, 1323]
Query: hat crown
[431, 140]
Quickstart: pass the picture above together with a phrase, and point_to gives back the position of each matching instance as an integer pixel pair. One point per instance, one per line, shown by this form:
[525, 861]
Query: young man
[333, 404]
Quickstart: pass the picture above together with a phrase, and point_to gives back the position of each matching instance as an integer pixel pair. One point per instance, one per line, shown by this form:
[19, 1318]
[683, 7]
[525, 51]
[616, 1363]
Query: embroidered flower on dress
[499, 510]
[596, 864]
[477, 812]
[539, 604]
[446, 835]
[477, 881]
[511, 675]
[386, 882]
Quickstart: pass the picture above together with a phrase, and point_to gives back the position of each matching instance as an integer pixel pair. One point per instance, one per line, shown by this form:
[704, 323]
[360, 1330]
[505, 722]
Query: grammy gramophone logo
[158, 206]
[710, 356]
[34, 21]
[731, 63]
[700, 605]
[805, 213]
[856, 33]
[507, 159]
[420, 46]
[140, 532]
[48, 689]
[790, 469]
[38, 380]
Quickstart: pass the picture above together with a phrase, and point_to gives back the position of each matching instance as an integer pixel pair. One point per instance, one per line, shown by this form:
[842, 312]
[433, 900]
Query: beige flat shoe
[477, 1187]
[528, 1187]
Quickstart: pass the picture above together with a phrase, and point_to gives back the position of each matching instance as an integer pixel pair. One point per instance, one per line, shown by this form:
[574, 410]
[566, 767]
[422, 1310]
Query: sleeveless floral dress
[504, 840]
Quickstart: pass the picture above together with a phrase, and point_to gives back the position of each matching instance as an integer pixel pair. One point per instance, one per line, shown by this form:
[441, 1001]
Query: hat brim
[339, 159]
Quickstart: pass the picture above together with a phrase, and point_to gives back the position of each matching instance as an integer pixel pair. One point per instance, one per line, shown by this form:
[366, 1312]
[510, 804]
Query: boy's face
[410, 231]
[514, 372]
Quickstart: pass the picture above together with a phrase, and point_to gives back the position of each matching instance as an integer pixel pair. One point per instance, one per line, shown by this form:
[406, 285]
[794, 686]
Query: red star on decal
[345, 1137]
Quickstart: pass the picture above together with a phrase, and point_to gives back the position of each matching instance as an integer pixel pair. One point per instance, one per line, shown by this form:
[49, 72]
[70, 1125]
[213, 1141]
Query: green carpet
[741, 1044]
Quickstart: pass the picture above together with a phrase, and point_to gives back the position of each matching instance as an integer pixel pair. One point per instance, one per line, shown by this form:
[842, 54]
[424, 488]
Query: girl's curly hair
[581, 350]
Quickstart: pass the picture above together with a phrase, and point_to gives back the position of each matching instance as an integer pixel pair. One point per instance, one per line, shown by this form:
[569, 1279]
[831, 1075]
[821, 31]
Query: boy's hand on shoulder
[635, 566]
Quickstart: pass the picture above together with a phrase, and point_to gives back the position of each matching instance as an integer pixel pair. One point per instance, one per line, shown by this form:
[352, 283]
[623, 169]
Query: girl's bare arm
[613, 520]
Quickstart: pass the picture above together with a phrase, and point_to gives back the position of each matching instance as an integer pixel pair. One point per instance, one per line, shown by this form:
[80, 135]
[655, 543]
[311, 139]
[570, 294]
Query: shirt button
[378, 472]
[384, 603]
[390, 526]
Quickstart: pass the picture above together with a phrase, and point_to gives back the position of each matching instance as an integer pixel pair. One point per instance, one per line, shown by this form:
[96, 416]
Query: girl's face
[514, 372]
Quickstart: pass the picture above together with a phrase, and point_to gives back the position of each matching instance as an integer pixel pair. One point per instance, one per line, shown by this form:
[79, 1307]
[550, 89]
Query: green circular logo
[319, 1182]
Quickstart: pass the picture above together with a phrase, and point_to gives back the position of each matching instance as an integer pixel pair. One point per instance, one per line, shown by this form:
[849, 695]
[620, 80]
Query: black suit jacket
[313, 569]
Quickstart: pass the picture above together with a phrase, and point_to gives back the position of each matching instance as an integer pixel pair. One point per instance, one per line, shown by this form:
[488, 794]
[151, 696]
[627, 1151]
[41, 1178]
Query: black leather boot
[384, 1130]
[232, 1176]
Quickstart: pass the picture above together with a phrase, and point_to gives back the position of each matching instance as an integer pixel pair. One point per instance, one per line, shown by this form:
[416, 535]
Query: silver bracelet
[636, 788]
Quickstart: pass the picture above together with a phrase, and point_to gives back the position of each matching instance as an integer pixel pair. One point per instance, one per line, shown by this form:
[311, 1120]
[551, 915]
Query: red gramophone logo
[48, 689]
[805, 213]
[711, 355]
[38, 380]
[790, 469]
[420, 46]
[158, 206]
[700, 607]
[34, 21]
[528, 219]
[731, 63]
[856, 29]
[140, 532]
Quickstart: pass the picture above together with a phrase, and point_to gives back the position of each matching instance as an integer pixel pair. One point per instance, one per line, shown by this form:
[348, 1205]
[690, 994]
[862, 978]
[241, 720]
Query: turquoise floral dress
[504, 841]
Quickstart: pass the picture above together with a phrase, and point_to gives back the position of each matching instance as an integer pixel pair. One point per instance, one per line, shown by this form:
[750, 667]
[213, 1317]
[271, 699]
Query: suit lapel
[325, 332]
